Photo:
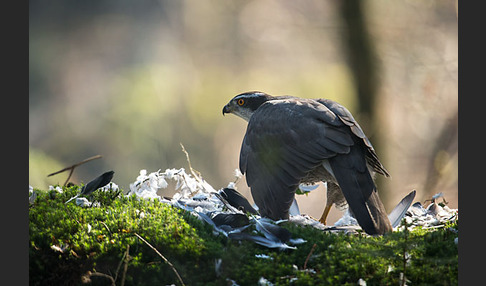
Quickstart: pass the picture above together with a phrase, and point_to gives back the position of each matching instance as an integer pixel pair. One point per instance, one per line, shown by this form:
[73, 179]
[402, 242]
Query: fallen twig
[104, 224]
[195, 173]
[309, 255]
[74, 166]
[121, 261]
[99, 274]
[125, 266]
[163, 258]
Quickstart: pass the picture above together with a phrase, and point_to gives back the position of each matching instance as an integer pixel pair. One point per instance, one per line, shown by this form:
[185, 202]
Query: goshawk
[291, 141]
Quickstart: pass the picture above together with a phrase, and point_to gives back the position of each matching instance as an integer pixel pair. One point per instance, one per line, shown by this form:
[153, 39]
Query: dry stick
[309, 255]
[104, 224]
[121, 261]
[196, 176]
[69, 176]
[103, 275]
[125, 266]
[74, 166]
[163, 258]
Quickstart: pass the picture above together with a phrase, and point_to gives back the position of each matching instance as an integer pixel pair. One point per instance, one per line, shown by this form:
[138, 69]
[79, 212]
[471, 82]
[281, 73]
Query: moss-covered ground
[72, 245]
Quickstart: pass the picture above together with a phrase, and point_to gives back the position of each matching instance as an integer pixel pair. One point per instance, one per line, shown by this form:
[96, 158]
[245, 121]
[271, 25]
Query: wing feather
[347, 118]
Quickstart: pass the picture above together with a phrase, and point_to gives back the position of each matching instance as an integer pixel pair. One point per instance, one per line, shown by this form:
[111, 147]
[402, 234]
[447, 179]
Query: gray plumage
[234, 198]
[98, 182]
[292, 140]
[398, 213]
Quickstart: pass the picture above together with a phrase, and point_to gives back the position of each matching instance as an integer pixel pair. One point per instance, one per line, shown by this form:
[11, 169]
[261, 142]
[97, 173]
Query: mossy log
[101, 245]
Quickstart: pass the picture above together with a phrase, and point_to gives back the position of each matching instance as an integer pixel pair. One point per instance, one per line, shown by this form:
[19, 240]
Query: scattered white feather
[294, 208]
[83, 202]
[59, 248]
[199, 198]
[56, 188]
[361, 282]
[438, 195]
[32, 196]
[431, 217]
[195, 195]
[264, 282]
[238, 174]
[306, 220]
[346, 220]
[232, 185]
[305, 188]
[263, 256]
[110, 187]
[217, 266]
[297, 241]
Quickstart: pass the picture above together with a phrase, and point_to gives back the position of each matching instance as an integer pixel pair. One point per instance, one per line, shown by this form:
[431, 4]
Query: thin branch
[99, 274]
[69, 176]
[121, 261]
[125, 266]
[71, 168]
[75, 165]
[195, 173]
[163, 258]
[104, 224]
[309, 255]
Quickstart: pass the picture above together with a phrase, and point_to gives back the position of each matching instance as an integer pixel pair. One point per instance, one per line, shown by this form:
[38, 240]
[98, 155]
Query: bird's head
[244, 104]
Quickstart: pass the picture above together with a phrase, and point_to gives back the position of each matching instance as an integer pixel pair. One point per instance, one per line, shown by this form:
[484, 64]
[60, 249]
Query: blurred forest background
[131, 80]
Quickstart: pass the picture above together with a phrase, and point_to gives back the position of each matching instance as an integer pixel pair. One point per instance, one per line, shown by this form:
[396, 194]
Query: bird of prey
[291, 141]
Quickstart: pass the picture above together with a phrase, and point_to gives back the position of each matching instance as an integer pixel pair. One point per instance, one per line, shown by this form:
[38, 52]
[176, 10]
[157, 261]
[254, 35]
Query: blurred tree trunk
[445, 148]
[360, 54]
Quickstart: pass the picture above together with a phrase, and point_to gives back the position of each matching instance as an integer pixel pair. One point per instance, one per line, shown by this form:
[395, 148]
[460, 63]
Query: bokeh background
[131, 80]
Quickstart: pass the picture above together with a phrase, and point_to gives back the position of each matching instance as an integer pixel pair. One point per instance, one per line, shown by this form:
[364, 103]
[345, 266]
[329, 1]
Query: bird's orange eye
[241, 101]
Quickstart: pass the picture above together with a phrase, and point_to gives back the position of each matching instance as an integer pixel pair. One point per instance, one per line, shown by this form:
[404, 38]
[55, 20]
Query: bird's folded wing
[283, 142]
[347, 118]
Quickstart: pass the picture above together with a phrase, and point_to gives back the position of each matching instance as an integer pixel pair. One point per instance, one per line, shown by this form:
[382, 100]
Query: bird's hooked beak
[227, 109]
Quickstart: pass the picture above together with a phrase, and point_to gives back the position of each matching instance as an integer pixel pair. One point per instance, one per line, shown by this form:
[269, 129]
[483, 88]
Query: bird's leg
[334, 195]
[325, 213]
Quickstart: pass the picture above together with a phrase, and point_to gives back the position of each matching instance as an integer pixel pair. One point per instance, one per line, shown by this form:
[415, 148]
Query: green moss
[424, 256]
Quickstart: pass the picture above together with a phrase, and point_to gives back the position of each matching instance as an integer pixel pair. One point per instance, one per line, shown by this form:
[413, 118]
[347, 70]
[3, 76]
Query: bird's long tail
[360, 192]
